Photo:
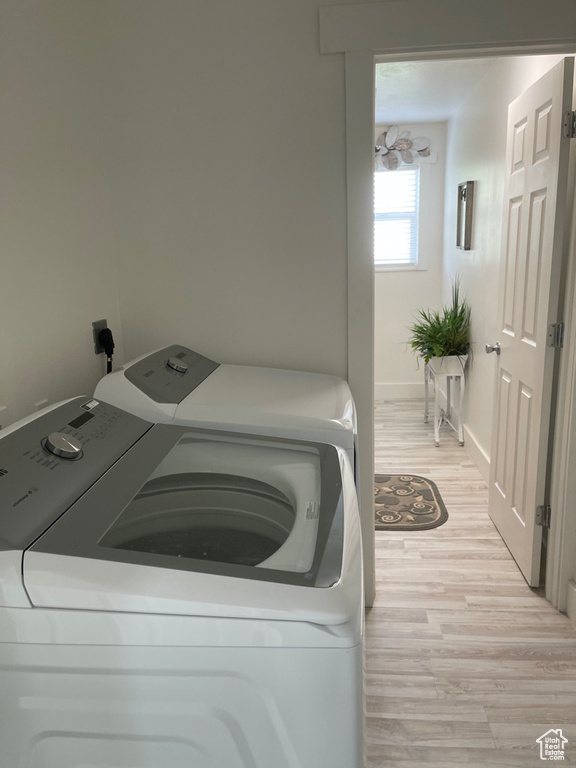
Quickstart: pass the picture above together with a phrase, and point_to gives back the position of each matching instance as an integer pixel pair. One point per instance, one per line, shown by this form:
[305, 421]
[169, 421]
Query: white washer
[176, 596]
[178, 385]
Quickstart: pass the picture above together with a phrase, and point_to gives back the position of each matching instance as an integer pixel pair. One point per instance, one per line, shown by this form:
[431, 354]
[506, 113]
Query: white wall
[476, 152]
[399, 294]
[180, 166]
[230, 181]
[57, 248]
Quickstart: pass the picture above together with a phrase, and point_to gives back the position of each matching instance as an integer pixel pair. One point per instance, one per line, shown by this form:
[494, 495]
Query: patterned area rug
[407, 503]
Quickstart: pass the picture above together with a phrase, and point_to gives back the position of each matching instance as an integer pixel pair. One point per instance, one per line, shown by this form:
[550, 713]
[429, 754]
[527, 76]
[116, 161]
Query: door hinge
[569, 126]
[556, 335]
[543, 515]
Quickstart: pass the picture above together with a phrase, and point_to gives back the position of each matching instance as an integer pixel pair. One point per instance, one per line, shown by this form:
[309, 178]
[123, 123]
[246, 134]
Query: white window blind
[396, 217]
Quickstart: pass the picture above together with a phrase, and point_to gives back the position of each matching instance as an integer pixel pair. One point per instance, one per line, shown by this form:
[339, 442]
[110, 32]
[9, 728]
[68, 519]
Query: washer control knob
[177, 365]
[64, 446]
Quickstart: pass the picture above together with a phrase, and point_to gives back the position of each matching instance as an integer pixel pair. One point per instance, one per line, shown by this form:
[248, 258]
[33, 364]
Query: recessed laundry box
[176, 596]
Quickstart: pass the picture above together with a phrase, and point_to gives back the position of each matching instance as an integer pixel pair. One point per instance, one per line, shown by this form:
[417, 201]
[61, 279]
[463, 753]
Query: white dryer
[174, 596]
[178, 385]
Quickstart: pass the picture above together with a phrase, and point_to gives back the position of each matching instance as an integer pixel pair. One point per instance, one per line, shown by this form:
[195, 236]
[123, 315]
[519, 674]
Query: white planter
[452, 365]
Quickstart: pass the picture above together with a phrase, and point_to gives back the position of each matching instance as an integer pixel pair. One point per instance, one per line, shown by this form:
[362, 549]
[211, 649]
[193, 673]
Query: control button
[62, 445]
[177, 365]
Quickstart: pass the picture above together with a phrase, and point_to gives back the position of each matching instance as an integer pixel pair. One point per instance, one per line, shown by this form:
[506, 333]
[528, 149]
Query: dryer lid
[176, 383]
[278, 402]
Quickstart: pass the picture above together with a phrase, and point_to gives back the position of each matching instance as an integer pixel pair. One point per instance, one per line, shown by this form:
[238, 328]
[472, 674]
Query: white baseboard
[404, 390]
[477, 454]
[571, 602]
[415, 391]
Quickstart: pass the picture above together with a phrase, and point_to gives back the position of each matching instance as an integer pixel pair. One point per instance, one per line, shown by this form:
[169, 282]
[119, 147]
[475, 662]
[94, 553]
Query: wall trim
[359, 183]
[477, 454]
[447, 25]
[402, 390]
[560, 568]
[571, 602]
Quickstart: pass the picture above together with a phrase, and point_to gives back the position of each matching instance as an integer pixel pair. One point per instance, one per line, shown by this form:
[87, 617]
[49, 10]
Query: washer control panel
[63, 445]
[171, 374]
[50, 461]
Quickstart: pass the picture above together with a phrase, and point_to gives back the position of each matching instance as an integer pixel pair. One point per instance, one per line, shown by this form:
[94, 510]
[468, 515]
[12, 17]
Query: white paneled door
[534, 203]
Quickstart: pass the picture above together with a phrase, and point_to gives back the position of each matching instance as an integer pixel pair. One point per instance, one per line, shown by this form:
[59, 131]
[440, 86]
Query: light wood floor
[466, 665]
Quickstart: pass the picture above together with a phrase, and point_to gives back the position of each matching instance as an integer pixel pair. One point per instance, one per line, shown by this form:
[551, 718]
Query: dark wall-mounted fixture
[465, 211]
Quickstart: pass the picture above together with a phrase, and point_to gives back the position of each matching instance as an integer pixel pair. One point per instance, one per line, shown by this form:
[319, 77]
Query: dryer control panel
[171, 374]
[48, 462]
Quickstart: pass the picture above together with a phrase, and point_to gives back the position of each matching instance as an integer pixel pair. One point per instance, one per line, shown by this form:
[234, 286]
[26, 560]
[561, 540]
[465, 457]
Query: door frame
[560, 567]
[387, 31]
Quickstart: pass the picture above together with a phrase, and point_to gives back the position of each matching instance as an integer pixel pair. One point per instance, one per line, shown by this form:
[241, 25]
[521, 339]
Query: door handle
[493, 348]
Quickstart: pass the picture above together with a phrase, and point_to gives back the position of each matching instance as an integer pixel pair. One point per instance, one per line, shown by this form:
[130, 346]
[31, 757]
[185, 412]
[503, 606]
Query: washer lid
[198, 522]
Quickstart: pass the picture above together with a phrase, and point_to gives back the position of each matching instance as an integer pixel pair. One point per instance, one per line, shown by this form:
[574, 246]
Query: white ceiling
[424, 91]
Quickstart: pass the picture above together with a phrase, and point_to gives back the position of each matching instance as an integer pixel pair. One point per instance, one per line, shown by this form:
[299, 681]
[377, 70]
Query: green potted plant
[437, 335]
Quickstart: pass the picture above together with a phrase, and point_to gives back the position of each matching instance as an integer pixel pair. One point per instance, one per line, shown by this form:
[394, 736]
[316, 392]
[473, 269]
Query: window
[396, 217]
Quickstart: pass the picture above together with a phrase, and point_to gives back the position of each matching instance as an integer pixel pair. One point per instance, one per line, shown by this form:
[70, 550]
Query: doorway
[359, 69]
[476, 150]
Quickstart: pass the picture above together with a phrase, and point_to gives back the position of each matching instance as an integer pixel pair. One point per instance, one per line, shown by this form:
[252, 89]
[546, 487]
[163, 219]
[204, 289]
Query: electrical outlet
[41, 404]
[98, 326]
